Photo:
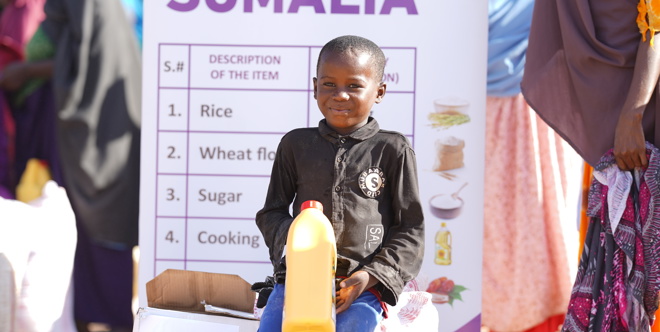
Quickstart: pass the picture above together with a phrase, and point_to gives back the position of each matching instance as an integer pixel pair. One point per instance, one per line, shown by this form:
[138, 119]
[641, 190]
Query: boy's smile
[346, 89]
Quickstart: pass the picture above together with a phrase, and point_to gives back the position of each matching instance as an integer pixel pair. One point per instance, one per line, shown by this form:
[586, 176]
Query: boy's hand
[352, 287]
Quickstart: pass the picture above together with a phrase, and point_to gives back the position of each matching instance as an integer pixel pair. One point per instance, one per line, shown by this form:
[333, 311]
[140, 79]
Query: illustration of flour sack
[449, 153]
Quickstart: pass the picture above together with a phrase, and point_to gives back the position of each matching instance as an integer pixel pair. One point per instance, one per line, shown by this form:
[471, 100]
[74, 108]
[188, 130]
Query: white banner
[224, 80]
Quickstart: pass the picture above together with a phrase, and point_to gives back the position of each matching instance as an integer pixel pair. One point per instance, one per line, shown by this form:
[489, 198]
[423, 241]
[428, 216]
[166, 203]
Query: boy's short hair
[347, 43]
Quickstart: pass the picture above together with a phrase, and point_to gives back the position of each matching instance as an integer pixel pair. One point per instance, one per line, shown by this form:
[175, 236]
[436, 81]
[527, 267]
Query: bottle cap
[311, 204]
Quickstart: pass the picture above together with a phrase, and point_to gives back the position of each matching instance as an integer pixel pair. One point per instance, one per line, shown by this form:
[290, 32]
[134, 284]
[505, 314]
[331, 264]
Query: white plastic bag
[39, 242]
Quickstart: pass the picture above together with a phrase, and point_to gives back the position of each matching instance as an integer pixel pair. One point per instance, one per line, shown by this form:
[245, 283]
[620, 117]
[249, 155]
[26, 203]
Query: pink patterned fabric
[410, 312]
[529, 174]
[617, 284]
[413, 312]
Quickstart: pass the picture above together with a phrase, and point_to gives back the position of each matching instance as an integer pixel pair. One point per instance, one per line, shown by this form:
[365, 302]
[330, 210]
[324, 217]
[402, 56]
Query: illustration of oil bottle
[443, 246]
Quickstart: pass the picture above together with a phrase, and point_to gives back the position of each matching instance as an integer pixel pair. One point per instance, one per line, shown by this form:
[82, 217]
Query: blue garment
[362, 316]
[508, 29]
[134, 10]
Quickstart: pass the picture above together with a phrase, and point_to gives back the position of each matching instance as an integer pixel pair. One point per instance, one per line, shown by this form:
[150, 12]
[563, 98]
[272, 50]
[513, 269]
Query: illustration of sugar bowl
[447, 206]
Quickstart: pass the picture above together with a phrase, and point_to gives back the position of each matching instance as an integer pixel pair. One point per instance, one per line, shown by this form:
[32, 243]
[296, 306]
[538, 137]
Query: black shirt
[367, 183]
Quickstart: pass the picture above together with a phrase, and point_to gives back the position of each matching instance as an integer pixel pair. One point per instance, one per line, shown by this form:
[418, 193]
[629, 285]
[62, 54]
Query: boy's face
[346, 88]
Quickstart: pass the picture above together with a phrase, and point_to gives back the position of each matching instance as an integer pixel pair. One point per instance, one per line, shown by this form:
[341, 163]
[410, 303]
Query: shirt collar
[363, 133]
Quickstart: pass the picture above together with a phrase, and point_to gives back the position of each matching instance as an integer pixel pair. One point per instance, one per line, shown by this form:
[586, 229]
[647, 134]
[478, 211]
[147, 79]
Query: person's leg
[102, 284]
[362, 316]
[271, 318]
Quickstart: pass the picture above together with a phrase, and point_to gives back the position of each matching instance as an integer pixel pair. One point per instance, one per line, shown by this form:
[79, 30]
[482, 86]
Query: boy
[366, 179]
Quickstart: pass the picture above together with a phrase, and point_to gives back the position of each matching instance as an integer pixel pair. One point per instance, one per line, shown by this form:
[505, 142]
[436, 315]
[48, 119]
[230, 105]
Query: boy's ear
[381, 92]
[314, 81]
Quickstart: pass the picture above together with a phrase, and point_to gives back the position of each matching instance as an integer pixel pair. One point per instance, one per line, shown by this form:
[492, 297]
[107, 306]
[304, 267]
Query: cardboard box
[187, 290]
[160, 320]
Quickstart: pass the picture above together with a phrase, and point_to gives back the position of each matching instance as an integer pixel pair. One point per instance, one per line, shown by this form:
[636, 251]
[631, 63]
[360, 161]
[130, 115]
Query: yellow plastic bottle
[443, 246]
[311, 260]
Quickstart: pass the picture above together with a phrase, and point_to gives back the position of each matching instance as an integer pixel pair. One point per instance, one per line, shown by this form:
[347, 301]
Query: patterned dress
[616, 288]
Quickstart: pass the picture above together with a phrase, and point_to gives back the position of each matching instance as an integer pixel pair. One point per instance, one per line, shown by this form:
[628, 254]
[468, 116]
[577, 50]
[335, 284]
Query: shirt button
[338, 159]
[343, 140]
[337, 188]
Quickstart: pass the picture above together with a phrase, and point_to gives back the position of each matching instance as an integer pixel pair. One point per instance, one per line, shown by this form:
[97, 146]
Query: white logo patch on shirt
[372, 181]
[374, 236]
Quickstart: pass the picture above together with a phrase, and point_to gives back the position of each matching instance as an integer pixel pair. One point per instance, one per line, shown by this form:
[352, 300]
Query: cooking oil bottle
[311, 260]
[443, 246]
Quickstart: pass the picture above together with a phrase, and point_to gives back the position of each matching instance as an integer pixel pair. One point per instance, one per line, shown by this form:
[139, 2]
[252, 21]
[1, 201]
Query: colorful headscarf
[648, 18]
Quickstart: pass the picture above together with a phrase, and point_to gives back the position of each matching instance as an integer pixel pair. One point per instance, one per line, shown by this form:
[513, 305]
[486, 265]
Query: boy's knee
[271, 318]
[359, 317]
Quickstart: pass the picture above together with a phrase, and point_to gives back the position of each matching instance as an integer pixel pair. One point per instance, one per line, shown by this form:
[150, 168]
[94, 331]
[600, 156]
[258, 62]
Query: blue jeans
[362, 316]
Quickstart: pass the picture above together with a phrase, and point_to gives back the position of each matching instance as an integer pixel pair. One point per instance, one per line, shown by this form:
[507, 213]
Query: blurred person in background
[592, 74]
[135, 12]
[526, 279]
[18, 22]
[94, 66]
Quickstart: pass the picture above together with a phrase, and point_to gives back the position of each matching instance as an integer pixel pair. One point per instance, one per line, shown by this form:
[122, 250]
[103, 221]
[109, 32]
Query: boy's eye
[329, 84]
[354, 86]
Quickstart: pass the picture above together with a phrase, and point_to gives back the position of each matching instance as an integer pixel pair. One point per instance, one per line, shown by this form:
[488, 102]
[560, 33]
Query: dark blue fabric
[6, 184]
[362, 316]
[36, 135]
[508, 30]
[102, 283]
